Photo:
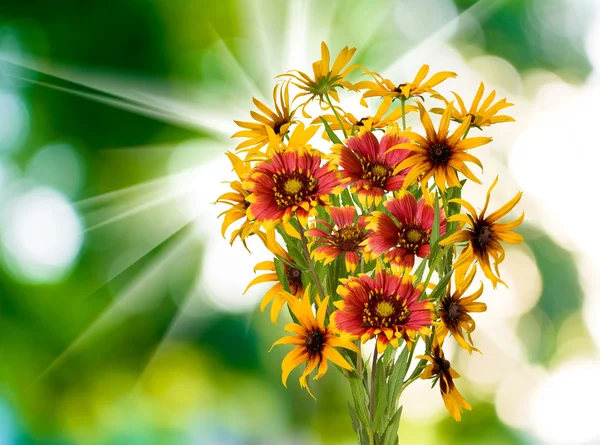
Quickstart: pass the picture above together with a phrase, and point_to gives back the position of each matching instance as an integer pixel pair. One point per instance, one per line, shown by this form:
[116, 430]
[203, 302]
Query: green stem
[402, 101]
[310, 263]
[339, 119]
[373, 372]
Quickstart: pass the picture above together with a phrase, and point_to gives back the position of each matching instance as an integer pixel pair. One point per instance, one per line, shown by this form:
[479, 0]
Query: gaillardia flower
[279, 121]
[386, 88]
[479, 116]
[408, 234]
[345, 239]
[315, 343]
[325, 80]
[484, 235]
[441, 369]
[454, 310]
[386, 306]
[371, 167]
[440, 155]
[291, 183]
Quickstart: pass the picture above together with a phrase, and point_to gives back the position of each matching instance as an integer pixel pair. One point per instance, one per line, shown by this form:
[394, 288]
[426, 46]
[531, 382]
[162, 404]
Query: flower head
[455, 308]
[343, 239]
[478, 116]
[386, 88]
[484, 234]
[386, 306]
[408, 234]
[440, 155]
[315, 343]
[442, 371]
[278, 121]
[326, 80]
[291, 183]
[370, 167]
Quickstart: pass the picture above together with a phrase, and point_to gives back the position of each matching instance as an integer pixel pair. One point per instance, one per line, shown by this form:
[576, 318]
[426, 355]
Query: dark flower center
[443, 364]
[313, 342]
[471, 118]
[277, 127]
[361, 122]
[454, 311]
[398, 89]
[294, 277]
[246, 203]
[439, 153]
[348, 238]
[292, 188]
[411, 238]
[376, 173]
[383, 310]
[483, 236]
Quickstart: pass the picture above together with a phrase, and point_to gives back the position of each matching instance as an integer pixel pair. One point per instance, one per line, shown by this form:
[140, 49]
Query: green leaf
[346, 198]
[332, 136]
[440, 290]
[381, 396]
[359, 429]
[396, 380]
[435, 230]
[281, 275]
[390, 435]
[420, 270]
[359, 395]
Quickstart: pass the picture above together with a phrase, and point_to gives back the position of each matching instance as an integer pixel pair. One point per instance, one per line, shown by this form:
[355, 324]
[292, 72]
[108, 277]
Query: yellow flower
[386, 88]
[484, 235]
[441, 369]
[315, 343]
[438, 154]
[478, 116]
[379, 121]
[325, 80]
[278, 121]
[454, 310]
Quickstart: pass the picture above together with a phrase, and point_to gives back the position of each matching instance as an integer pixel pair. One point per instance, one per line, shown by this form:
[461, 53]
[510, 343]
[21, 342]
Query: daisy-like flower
[386, 306]
[345, 239]
[237, 200]
[315, 343]
[386, 88]
[479, 116]
[379, 121]
[325, 80]
[277, 294]
[484, 235]
[369, 165]
[408, 234]
[440, 155]
[291, 183]
[454, 310]
[279, 121]
[440, 369]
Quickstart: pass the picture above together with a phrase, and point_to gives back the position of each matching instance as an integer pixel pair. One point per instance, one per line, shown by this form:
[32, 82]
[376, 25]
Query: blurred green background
[122, 319]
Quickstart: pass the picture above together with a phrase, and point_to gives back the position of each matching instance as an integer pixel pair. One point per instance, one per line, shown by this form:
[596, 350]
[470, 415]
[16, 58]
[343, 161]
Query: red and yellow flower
[455, 308]
[371, 167]
[438, 154]
[484, 234]
[406, 235]
[343, 239]
[291, 183]
[314, 342]
[386, 306]
[440, 369]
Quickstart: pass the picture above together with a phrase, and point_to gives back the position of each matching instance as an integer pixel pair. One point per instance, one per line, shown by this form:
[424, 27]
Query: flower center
[292, 188]
[313, 342]
[411, 238]
[443, 364]
[439, 153]
[361, 122]
[471, 118]
[348, 238]
[294, 277]
[377, 174]
[383, 310]
[454, 311]
[277, 127]
[483, 236]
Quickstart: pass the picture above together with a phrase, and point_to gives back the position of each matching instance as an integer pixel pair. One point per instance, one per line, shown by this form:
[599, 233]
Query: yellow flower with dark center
[454, 310]
[484, 235]
[439, 154]
[325, 80]
[442, 371]
[279, 121]
[482, 115]
[315, 343]
[386, 88]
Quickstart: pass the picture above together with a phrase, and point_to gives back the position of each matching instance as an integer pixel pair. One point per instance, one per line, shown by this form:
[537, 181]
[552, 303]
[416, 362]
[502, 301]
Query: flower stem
[339, 119]
[310, 263]
[402, 101]
[373, 372]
